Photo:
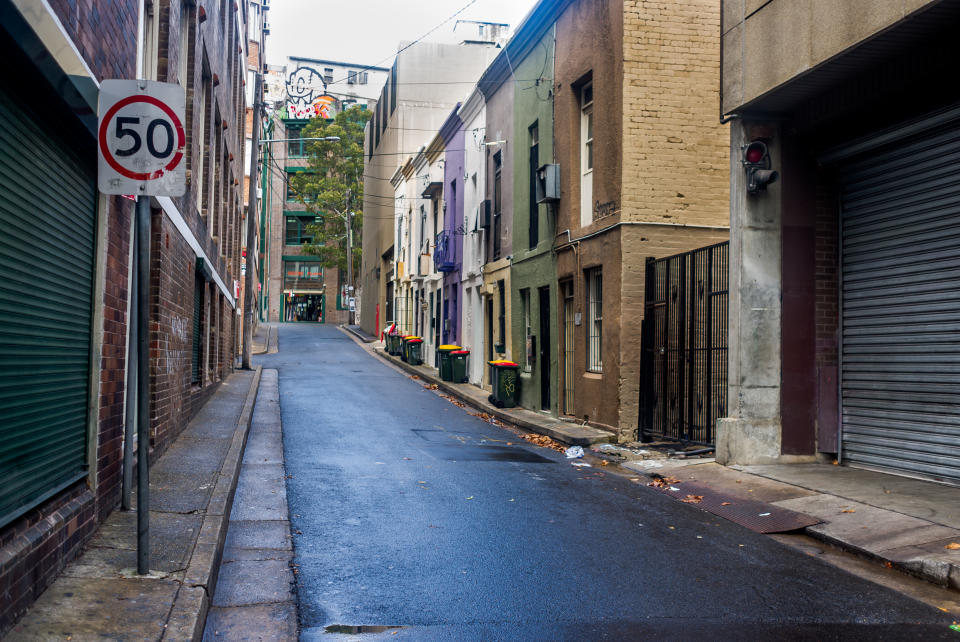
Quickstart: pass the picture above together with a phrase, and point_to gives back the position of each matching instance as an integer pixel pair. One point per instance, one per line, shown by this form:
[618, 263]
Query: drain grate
[759, 517]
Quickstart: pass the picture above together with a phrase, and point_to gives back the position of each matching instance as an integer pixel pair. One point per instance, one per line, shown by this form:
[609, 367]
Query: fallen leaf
[415, 377]
[509, 443]
[634, 479]
[836, 463]
[887, 492]
[739, 481]
[298, 532]
[952, 546]
[854, 510]
[692, 499]
[432, 386]
[604, 462]
[724, 503]
[671, 528]
[471, 497]
[888, 564]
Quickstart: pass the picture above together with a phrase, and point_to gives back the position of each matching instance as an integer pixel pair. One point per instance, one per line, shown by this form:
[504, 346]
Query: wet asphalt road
[408, 511]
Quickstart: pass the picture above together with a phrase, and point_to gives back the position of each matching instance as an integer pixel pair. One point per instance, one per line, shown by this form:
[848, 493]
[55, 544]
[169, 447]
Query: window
[187, 37]
[202, 167]
[351, 77]
[362, 78]
[525, 306]
[534, 227]
[328, 75]
[151, 39]
[296, 229]
[296, 146]
[595, 320]
[393, 87]
[302, 275]
[586, 154]
[502, 315]
[497, 202]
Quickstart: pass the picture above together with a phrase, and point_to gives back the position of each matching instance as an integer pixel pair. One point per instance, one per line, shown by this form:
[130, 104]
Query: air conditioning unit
[484, 214]
[548, 184]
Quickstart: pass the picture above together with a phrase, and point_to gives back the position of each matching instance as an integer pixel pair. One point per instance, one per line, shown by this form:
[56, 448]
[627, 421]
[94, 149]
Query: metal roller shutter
[47, 232]
[900, 375]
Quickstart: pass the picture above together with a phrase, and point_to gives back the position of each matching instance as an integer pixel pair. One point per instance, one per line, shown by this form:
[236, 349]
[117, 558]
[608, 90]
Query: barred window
[595, 320]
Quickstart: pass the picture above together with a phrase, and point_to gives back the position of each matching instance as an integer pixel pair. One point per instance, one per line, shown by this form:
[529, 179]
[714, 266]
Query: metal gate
[683, 384]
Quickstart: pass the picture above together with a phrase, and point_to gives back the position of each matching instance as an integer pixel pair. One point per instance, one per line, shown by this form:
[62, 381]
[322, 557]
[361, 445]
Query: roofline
[342, 64]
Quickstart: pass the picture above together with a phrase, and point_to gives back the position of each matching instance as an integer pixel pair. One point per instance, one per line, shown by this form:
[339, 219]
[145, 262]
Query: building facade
[843, 306]
[426, 82]
[64, 335]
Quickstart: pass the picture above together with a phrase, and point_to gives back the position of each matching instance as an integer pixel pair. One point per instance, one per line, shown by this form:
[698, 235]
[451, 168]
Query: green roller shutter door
[47, 237]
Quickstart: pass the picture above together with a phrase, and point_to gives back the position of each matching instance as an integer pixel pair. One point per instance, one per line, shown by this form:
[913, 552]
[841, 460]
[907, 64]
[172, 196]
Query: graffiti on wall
[307, 95]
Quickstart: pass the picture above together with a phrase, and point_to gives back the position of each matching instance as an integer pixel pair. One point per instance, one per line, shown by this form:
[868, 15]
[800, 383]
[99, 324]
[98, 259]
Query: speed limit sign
[141, 139]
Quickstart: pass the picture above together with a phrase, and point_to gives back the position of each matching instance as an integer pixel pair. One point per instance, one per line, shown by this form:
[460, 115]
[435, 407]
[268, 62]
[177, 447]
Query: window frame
[586, 152]
[594, 305]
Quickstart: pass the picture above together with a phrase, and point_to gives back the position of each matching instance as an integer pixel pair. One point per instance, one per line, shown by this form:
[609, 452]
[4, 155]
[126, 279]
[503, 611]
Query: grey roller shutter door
[900, 375]
[47, 246]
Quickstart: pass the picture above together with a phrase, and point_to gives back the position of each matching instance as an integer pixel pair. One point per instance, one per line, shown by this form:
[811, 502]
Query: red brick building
[65, 255]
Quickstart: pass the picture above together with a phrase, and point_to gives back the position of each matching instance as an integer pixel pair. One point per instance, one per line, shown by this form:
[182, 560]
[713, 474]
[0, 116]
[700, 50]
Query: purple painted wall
[454, 136]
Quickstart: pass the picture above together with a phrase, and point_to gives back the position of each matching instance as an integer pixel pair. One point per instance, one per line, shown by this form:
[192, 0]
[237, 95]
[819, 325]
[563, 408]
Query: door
[900, 299]
[567, 348]
[544, 348]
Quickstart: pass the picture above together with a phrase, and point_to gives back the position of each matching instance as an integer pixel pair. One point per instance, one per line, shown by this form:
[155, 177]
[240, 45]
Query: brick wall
[675, 152]
[827, 280]
[36, 546]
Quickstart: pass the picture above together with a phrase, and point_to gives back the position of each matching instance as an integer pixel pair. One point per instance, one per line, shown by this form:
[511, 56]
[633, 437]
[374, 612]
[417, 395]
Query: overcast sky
[368, 31]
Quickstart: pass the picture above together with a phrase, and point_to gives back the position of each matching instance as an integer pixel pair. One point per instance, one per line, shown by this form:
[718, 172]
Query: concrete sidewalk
[100, 596]
[907, 524]
[264, 339]
[254, 599]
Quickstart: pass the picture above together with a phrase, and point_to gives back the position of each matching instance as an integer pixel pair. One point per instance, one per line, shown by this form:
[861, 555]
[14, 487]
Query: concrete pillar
[750, 434]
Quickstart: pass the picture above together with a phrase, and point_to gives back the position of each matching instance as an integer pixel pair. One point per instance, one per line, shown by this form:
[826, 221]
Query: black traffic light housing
[756, 162]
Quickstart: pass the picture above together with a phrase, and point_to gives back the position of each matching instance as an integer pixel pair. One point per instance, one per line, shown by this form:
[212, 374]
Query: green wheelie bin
[505, 383]
[458, 365]
[412, 350]
[446, 365]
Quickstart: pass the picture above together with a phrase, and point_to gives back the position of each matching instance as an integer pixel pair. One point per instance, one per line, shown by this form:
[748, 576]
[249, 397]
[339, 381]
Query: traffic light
[756, 162]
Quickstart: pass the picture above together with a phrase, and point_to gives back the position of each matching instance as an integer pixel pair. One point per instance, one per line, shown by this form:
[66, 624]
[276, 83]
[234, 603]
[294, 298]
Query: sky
[369, 31]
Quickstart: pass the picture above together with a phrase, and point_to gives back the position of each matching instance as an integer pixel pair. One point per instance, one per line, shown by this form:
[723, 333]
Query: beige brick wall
[675, 151]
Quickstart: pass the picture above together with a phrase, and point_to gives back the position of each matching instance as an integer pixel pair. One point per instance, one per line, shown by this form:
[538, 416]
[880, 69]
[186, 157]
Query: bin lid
[460, 352]
[414, 340]
[449, 347]
[504, 362]
[411, 336]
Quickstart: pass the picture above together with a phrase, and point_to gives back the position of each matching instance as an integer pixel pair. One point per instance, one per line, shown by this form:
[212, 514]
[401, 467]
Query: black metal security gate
[683, 385]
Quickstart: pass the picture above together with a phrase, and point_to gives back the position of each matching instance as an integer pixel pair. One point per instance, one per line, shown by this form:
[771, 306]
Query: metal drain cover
[759, 517]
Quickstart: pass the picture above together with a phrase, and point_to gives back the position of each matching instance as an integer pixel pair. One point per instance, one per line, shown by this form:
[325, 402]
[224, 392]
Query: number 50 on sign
[141, 138]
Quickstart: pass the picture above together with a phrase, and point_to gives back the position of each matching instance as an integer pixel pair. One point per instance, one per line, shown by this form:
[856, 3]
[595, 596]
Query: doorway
[566, 288]
[544, 356]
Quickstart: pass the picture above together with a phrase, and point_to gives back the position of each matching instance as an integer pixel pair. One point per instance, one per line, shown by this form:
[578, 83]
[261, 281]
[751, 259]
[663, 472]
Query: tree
[332, 186]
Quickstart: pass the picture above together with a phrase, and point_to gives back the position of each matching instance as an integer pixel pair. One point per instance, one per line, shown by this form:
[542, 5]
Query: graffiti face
[306, 95]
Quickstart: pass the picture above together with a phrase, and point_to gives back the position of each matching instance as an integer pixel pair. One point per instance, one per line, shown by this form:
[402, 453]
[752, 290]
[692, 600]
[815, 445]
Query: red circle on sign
[142, 176]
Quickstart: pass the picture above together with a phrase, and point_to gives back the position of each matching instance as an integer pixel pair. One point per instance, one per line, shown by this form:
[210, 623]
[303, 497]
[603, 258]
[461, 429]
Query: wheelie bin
[505, 383]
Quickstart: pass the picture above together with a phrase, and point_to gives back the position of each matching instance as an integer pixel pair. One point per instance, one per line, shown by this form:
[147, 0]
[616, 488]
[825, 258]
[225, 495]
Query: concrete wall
[767, 44]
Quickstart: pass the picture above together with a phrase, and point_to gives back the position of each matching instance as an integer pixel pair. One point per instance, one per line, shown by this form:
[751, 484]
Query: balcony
[444, 259]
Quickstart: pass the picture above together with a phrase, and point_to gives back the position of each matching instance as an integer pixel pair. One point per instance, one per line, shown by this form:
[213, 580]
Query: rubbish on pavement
[952, 546]
[574, 452]
[544, 441]
[649, 463]
[764, 515]
[673, 488]
[581, 464]
[849, 510]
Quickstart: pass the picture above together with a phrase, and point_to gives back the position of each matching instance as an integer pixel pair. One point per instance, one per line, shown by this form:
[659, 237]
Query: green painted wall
[532, 269]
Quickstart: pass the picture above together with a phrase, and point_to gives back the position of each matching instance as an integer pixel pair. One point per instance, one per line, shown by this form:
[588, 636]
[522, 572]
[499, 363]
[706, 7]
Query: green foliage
[333, 185]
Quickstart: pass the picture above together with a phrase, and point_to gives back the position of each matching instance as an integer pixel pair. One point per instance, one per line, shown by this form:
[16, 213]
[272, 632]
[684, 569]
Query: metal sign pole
[130, 418]
[143, 384]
